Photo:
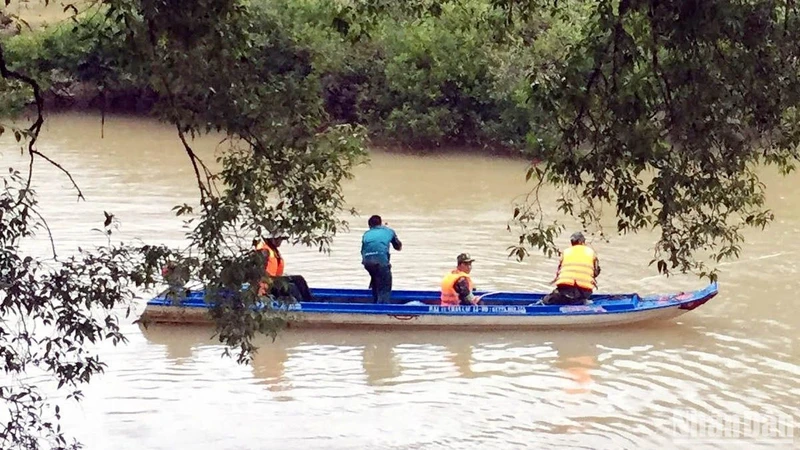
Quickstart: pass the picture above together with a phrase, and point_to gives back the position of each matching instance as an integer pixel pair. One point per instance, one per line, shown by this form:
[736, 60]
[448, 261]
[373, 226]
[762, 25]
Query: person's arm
[558, 270]
[596, 267]
[464, 293]
[396, 242]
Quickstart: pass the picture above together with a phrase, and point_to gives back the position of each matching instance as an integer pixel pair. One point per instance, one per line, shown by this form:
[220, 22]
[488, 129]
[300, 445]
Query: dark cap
[464, 258]
[577, 237]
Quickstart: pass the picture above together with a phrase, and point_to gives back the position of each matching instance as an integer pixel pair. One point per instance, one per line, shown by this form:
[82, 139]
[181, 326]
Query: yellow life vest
[449, 294]
[577, 268]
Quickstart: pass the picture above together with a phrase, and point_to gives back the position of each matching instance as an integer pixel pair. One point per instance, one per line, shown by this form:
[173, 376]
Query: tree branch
[666, 89]
[60, 167]
[624, 6]
[36, 127]
[204, 191]
[49, 232]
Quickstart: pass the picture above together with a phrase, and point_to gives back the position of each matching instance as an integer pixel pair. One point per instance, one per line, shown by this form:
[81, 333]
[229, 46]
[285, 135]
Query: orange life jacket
[449, 294]
[274, 265]
[577, 268]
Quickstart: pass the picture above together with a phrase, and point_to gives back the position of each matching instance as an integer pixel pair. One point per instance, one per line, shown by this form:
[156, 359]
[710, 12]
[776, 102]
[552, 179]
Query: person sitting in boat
[275, 282]
[376, 259]
[576, 275]
[176, 275]
[457, 285]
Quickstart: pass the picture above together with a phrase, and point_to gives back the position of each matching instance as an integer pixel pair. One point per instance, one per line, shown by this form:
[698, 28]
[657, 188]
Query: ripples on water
[170, 388]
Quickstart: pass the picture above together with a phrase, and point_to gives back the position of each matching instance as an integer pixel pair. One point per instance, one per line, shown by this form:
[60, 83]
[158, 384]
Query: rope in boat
[480, 297]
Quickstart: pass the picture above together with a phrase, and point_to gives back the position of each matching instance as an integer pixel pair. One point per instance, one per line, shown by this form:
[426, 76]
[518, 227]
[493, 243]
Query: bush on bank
[437, 80]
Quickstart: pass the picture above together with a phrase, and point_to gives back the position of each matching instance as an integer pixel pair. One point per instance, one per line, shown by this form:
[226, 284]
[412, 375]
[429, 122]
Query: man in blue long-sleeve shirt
[375, 258]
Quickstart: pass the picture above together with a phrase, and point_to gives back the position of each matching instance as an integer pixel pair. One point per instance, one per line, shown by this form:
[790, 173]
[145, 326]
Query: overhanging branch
[33, 131]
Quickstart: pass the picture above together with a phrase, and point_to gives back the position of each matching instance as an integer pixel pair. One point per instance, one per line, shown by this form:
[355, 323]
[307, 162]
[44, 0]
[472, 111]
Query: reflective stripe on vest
[577, 267]
[449, 294]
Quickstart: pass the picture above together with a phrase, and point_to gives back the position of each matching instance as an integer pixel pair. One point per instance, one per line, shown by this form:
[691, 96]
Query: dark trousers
[289, 287]
[567, 295]
[380, 281]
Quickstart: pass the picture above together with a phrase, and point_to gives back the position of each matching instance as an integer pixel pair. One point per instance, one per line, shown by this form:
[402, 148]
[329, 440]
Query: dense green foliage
[663, 109]
[210, 66]
[50, 314]
[666, 110]
[421, 80]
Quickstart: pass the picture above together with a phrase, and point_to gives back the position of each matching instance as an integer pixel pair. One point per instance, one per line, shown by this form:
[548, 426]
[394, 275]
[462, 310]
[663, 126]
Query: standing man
[375, 258]
[576, 276]
[457, 285]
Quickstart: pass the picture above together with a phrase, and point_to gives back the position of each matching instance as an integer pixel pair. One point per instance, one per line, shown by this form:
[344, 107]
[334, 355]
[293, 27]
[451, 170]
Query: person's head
[577, 238]
[375, 221]
[464, 262]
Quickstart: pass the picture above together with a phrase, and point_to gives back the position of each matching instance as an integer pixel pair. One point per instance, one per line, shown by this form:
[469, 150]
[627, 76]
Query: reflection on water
[578, 361]
[384, 356]
[170, 388]
[380, 363]
[601, 389]
[381, 353]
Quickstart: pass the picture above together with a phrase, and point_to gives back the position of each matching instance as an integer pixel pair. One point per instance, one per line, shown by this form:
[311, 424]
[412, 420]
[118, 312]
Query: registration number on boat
[478, 309]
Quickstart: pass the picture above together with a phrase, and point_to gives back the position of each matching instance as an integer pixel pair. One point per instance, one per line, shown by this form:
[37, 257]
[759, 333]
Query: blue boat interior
[405, 302]
[332, 295]
[343, 299]
[411, 303]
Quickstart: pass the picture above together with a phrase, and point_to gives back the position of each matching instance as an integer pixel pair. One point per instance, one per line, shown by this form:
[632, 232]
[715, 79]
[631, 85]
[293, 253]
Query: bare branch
[36, 127]
[60, 167]
[33, 131]
[204, 191]
[49, 232]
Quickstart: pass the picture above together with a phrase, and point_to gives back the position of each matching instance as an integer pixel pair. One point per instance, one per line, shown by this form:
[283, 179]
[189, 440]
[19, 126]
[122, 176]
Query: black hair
[375, 221]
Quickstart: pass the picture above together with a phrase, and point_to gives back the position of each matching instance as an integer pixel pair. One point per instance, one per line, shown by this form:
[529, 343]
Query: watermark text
[699, 428]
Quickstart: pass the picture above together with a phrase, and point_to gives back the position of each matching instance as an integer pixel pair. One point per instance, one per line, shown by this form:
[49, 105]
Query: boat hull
[486, 323]
[511, 312]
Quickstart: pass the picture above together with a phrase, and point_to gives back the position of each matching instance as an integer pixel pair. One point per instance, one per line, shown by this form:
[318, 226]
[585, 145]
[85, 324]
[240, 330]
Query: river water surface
[169, 387]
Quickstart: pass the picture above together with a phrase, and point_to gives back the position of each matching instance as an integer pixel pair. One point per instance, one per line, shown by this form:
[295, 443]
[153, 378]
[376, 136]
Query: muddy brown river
[731, 361]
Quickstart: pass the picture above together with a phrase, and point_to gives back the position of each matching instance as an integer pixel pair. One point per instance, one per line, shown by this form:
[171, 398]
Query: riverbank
[434, 82]
[81, 97]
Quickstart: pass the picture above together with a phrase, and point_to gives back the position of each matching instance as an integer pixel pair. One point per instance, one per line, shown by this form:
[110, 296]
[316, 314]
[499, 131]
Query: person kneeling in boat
[576, 275]
[457, 285]
[280, 285]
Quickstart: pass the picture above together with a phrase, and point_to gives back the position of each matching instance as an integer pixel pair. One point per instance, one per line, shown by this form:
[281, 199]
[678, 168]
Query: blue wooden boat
[498, 310]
